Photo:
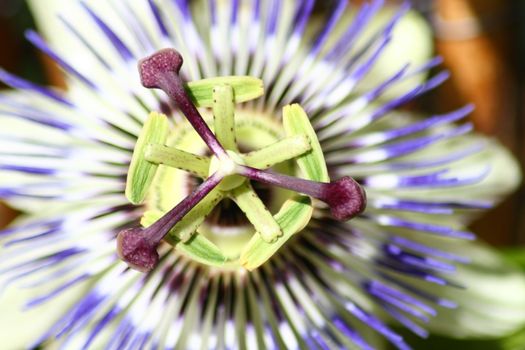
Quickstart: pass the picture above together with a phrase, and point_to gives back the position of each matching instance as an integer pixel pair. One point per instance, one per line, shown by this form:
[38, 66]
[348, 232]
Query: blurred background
[482, 42]
[483, 45]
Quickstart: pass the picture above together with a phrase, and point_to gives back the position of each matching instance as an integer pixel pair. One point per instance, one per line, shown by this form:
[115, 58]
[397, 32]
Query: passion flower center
[227, 225]
[225, 174]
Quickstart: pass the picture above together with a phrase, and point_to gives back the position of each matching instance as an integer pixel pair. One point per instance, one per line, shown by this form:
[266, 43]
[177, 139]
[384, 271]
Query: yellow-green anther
[175, 158]
[141, 172]
[245, 88]
[256, 212]
[292, 218]
[312, 164]
[295, 213]
[137, 246]
[223, 115]
[225, 174]
[286, 149]
[149, 217]
[189, 224]
[198, 247]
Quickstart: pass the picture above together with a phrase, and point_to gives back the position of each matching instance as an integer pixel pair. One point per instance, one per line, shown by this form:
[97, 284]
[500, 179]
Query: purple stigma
[345, 197]
[161, 71]
[138, 246]
[159, 66]
[135, 249]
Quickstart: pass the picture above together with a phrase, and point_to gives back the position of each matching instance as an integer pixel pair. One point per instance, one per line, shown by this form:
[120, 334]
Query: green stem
[286, 149]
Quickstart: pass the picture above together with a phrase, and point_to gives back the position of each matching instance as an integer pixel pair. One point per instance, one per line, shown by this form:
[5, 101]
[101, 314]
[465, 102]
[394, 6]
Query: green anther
[191, 236]
[175, 158]
[200, 249]
[256, 212]
[197, 248]
[292, 218]
[253, 133]
[141, 172]
[286, 149]
[312, 164]
[149, 217]
[245, 88]
[189, 224]
[296, 213]
[223, 114]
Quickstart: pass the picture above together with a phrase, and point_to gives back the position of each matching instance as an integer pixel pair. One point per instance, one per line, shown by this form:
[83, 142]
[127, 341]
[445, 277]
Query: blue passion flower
[258, 172]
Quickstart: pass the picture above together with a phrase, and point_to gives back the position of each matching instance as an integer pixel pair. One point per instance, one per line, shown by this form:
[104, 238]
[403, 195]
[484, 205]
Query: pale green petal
[493, 305]
[117, 85]
[60, 38]
[497, 168]
[45, 13]
[503, 177]
[22, 328]
[67, 185]
[412, 42]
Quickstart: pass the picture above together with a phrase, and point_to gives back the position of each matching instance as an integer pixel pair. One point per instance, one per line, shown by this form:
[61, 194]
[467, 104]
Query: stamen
[345, 197]
[224, 116]
[228, 171]
[176, 158]
[281, 151]
[256, 212]
[138, 246]
[161, 71]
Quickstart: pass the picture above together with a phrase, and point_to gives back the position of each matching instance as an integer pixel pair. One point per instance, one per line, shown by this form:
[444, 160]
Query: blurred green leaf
[443, 343]
[515, 341]
[515, 255]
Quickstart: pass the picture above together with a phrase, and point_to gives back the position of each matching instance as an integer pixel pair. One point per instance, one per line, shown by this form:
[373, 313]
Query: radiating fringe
[324, 288]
